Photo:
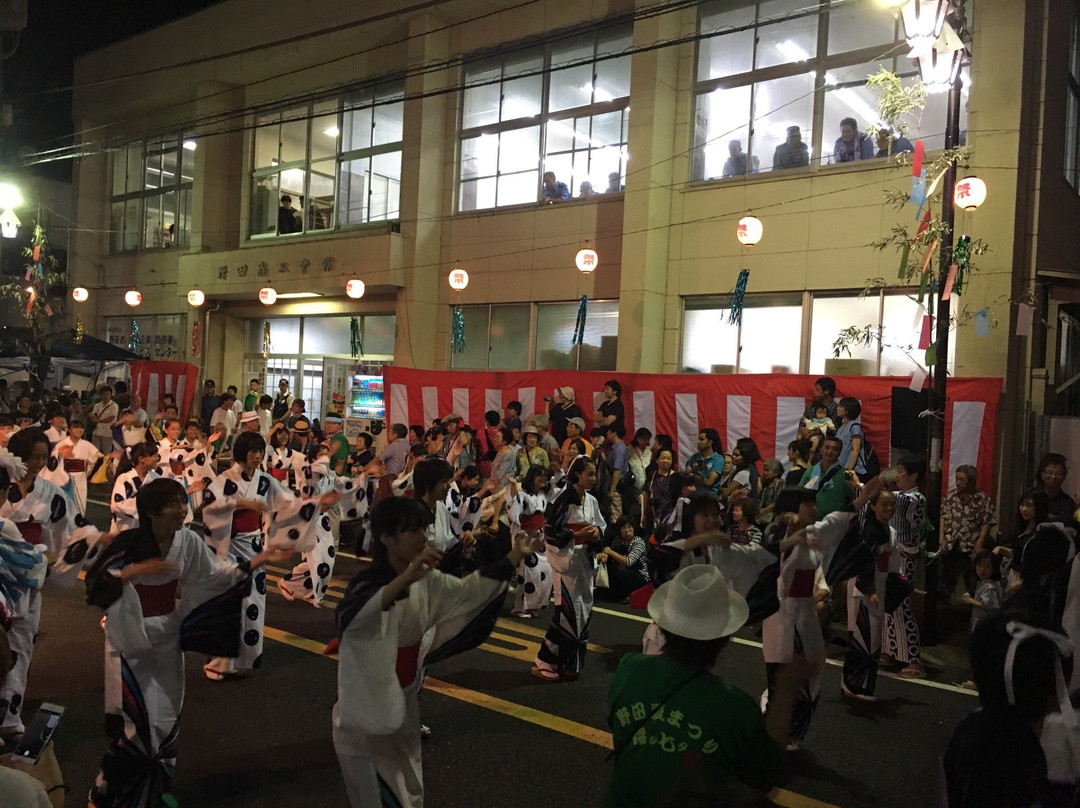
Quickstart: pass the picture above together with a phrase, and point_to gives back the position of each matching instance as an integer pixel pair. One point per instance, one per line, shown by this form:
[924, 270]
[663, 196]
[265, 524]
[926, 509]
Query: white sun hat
[698, 604]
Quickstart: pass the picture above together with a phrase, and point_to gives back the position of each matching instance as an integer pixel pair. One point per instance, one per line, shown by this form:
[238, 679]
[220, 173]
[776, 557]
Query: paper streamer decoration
[30, 301]
[579, 325]
[37, 253]
[737, 297]
[918, 193]
[195, 341]
[266, 340]
[982, 323]
[925, 223]
[961, 257]
[927, 331]
[457, 330]
[354, 338]
[946, 293]
[905, 254]
[1024, 314]
[917, 159]
[918, 379]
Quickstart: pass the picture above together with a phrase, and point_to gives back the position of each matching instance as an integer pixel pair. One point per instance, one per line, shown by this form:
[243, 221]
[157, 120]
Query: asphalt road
[500, 736]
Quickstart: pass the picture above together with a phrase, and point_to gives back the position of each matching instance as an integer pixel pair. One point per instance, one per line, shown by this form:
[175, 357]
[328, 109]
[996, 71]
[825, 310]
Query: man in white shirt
[224, 419]
[104, 413]
[141, 418]
[238, 404]
[266, 416]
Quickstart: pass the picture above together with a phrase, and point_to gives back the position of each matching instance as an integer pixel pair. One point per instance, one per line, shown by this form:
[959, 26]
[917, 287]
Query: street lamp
[9, 224]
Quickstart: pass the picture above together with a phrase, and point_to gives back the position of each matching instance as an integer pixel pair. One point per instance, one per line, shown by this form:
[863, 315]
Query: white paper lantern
[196, 298]
[355, 289]
[587, 260]
[969, 193]
[133, 297]
[267, 296]
[749, 230]
[9, 224]
[459, 279]
[79, 294]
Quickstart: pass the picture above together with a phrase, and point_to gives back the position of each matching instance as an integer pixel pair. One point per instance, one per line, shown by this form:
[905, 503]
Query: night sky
[57, 32]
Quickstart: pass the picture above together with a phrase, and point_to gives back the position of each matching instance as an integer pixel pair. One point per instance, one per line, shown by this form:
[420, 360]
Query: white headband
[1022, 631]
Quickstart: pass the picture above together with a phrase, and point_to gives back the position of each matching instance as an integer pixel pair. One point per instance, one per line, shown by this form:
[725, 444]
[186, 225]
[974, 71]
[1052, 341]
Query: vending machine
[365, 409]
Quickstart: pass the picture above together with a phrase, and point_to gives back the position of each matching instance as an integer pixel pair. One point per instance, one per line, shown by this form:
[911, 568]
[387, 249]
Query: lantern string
[579, 325]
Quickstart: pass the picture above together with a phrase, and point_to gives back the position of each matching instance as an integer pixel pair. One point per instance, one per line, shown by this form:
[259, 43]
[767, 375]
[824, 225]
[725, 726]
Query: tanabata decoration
[982, 323]
[134, 339]
[79, 330]
[195, 338]
[354, 338]
[735, 318]
[266, 340]
[457, 330]
[579, 324]
[961, 258]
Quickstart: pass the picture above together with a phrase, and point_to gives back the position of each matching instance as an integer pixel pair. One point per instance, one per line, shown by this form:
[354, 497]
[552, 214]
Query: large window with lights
[151, 194]
[776, 79]
[328, 164]
[561, 107]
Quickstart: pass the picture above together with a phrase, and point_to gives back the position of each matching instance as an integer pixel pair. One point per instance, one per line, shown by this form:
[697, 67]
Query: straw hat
[698, 604]
[452, 418]
[567, 393]
[530, 430]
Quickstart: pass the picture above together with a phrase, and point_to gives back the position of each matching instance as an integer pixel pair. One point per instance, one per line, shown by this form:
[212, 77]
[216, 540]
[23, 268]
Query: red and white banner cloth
[152, 380]
[765, 407]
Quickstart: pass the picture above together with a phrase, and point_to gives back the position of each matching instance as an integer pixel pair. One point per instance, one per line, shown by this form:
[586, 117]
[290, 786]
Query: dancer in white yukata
[793, 549]
[280, 459]
[574, 529]
[139, 466]
[45, 518]
[234, 511]
[527, 511]
[397, 616]
[80, 459]
[136, 578]
[901, 638]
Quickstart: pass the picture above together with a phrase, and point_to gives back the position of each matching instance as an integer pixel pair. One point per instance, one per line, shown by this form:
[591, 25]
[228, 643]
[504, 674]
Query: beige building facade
[412, 140]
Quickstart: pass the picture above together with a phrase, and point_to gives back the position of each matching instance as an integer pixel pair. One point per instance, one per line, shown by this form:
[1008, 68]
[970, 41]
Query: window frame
[534, 315]
[817, 65]
[384, 91]
[1071, 159]
[181, 188]
[613, 30]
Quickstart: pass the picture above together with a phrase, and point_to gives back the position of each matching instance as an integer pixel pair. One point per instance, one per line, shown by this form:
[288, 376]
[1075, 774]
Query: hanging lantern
[459, 279]
[79, 294]
[969, 193]
[196, 297]
[587, 260]
[355, 289]
[133, 297]
[9, 224]
[267, 296]
[749, 230]
[923, 21]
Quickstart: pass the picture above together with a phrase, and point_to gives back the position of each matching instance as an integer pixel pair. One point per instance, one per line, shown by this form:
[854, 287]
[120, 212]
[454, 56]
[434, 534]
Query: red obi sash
[31, 531]
[74, 466]
[245, 520]
[883, 559]
[157, 600]
[533, 523]
[281, 475]
[575, 529]
[802, 584]
[408, 663]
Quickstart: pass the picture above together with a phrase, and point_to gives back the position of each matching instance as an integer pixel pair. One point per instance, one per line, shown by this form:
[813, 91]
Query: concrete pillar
[423, 200]
[647, 207]
[219, 166]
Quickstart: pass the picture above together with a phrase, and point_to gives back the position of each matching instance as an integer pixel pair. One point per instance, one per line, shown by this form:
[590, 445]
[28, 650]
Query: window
[562, 107]
[1072, 106]
[151, 194]
[776, 77]
[338, 161]
[496, 338]
[555, 333]
[769, 339]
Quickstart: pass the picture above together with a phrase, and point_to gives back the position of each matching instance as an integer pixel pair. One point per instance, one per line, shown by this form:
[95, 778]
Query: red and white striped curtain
[152, 380]
[765, 407]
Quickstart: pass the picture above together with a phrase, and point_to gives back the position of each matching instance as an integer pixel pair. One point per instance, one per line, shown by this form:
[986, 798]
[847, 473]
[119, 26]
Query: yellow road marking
[509, 625]
[583, 732]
